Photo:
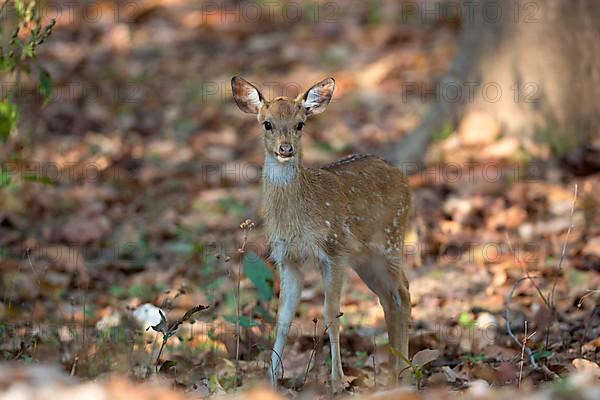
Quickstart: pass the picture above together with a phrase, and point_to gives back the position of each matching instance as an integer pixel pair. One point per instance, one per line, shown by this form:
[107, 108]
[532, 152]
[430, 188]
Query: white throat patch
[277, 172]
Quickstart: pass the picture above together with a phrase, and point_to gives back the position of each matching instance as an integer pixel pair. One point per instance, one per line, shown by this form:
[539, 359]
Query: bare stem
[523, 264]
[247, 226]
[316, 343]
[162, 346]
[589, 293]
[74, 366]
[523, 346]
[532, 361]
[312, 353]
[564, 248]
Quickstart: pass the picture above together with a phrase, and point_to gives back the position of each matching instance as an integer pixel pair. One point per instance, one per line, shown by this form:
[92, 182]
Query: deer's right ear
[246, 96]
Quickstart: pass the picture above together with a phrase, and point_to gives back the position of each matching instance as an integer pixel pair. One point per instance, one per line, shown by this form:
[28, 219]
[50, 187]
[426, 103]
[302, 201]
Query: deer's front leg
[333, 276]
[289, 296]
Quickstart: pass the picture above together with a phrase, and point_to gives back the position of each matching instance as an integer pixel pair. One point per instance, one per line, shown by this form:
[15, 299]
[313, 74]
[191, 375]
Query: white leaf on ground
[147, 315]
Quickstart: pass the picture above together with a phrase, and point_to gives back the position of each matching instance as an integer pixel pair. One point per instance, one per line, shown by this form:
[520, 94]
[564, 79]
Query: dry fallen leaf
[426, 356]
[587, 366]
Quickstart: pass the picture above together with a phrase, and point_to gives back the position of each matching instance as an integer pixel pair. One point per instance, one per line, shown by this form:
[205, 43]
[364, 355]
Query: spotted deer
[353, 211]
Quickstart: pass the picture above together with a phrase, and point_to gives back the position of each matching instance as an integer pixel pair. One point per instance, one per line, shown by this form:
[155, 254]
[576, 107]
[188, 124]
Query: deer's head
[282, 118]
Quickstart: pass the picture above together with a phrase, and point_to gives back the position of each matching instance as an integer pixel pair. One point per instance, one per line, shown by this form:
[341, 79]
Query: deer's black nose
[286, 149]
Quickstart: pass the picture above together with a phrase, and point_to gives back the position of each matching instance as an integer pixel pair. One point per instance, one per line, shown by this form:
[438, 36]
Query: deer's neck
[284, 191]
[280, 174]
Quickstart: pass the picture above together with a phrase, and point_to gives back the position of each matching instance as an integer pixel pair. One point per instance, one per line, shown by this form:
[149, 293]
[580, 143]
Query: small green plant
[417, 363]
[245, 322]
[444, 133]
[559, 142]
[476, 359]
[5, 176]
[466, 321]
[22, 47]
[8, 120]
[25, 32]
[256, 269]
[542, 353]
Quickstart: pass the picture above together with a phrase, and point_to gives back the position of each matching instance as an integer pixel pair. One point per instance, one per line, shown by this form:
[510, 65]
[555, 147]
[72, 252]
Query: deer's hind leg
[388, 281]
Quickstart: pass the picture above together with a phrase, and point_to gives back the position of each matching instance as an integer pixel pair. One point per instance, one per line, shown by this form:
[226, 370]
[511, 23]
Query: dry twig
[316, 343]
[246, 226]
[532, 361]
[523, 346]
[564, 249]
[589, 293]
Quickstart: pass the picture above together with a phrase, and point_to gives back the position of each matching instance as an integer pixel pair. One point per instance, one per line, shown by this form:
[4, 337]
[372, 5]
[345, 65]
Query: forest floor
[127, 191]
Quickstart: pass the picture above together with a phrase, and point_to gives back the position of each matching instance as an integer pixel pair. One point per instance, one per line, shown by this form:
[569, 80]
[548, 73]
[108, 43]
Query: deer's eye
[268, 125]
[300, 126]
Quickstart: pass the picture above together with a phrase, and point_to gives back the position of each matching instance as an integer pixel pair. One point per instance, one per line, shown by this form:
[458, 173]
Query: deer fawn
[353, 211]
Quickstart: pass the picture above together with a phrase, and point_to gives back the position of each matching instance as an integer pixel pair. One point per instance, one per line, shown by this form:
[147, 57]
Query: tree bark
[532, 65]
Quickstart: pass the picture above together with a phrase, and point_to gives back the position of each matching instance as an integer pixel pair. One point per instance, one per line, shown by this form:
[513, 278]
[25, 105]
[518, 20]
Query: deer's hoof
[339, 385]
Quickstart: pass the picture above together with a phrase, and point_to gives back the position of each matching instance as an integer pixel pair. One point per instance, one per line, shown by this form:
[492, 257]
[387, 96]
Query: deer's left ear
[316, 99]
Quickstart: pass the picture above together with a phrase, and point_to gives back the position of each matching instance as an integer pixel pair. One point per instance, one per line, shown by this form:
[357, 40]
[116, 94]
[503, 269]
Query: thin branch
[312, 353]
[523, 347]
[532, 361]
[507, 317]
[74, 366]
[316, 344]
[528, 275]
[247, 226]
[589, 293]
[588, 325]
[564, 248]
[35, 273]
[162, 346]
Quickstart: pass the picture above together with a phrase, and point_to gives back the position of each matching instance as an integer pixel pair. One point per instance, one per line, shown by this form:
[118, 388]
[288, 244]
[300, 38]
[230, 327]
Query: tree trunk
[534, 66]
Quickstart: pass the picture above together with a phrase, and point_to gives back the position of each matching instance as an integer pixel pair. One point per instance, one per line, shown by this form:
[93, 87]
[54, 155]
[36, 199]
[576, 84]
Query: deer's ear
[246, 96]
[316, 99]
